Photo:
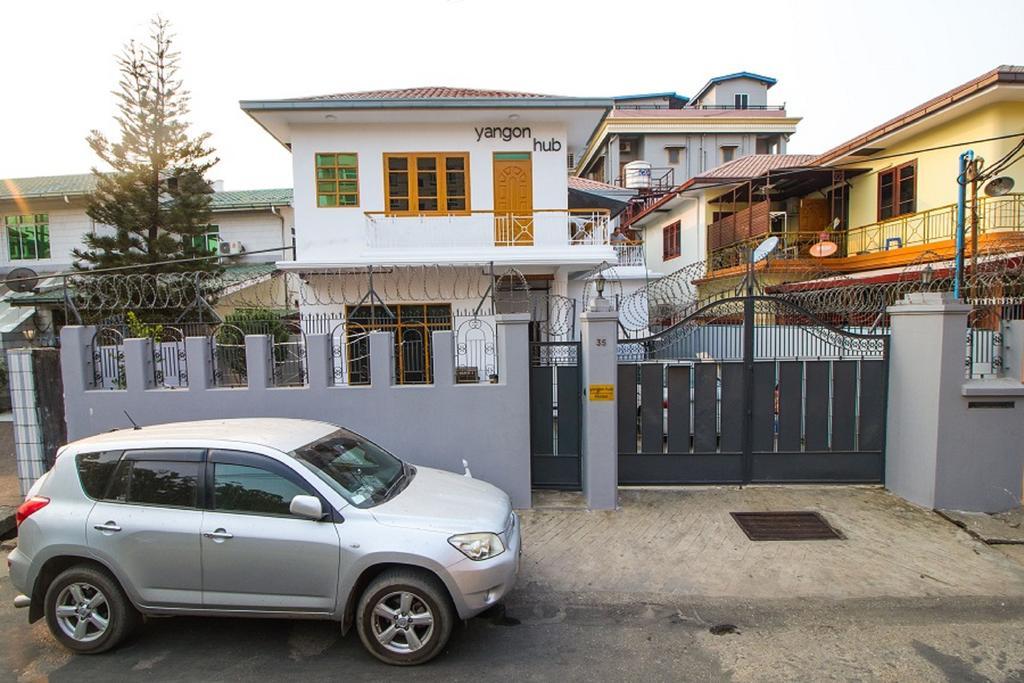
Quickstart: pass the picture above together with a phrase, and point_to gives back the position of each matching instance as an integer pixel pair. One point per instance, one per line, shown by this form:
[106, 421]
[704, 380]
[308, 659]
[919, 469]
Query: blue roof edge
[767, 80]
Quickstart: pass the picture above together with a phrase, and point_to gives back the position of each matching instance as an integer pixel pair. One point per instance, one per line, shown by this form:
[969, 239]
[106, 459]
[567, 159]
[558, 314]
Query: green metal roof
[84, 183]
[234, 200]
[47, 186]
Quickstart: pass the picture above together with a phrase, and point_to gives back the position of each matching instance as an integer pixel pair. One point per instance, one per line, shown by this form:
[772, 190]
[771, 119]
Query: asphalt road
[570, 637]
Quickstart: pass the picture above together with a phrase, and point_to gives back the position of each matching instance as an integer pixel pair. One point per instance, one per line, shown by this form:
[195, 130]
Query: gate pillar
[599, 336]
[953, 443]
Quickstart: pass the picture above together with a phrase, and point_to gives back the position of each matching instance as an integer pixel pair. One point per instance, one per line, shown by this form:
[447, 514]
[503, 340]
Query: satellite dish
[999, 186]
[765, 248]
[21, 280]
[824, 247]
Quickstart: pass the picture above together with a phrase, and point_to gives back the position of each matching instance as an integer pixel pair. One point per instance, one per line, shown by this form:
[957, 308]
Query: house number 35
[601, 341]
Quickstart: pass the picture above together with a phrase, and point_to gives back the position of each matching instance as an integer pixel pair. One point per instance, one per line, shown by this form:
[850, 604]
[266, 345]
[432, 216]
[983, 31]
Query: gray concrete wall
[951, 443]
[435, 425]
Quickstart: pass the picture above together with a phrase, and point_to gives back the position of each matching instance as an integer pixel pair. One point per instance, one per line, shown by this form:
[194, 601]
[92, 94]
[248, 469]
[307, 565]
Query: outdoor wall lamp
[599, 282]
[926, 274]
[29, 334]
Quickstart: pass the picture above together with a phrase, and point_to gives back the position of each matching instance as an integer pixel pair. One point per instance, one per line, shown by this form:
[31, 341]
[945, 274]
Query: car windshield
[363, 473]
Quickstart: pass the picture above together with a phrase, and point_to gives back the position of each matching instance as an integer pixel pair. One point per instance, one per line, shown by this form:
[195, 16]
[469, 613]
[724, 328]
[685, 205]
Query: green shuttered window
[337, 179]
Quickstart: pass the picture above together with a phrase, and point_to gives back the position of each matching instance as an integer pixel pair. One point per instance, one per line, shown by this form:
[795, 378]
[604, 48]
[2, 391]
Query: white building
[410, 205]
[44, 219]
[681, 137]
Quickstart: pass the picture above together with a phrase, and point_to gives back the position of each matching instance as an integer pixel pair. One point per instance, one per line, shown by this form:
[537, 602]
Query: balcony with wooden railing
[899, 240]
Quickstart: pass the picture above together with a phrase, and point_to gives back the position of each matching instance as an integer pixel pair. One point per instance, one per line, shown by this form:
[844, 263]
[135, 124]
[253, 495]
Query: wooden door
[513, 199]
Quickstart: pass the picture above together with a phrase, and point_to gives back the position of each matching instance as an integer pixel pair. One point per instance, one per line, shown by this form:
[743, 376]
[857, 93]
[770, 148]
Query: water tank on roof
[637, 175]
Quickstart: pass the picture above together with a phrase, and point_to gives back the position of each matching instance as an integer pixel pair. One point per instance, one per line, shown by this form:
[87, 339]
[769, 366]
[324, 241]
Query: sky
[843, 67]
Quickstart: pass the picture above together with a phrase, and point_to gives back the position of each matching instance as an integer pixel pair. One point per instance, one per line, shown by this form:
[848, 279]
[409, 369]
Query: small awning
[11, 317]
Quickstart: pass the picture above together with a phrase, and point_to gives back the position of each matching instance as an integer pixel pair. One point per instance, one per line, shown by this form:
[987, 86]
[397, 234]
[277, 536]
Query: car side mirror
[307, 507]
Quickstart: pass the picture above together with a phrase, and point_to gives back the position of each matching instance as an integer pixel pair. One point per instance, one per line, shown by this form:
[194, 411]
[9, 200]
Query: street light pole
[966, 158]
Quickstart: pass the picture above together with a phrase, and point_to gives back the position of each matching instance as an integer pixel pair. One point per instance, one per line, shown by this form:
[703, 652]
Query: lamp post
[961, 208]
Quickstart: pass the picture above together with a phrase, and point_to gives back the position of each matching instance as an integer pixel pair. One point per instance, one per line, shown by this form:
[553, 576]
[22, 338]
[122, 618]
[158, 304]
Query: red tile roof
[755, 165]
[429, 93]
[578, 183]
[750, 166]
[1006, 74]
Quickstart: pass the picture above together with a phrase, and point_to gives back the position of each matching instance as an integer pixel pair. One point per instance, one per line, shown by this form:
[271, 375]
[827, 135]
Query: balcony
[995, 215]
[543, 235]
[872, 245]
[629, 253]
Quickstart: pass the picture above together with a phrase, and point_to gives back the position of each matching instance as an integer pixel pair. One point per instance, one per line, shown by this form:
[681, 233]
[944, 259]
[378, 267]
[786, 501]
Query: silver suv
[259, 517]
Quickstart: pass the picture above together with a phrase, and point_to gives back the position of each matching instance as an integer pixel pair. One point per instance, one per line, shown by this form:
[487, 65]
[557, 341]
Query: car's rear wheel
[405, 617]
[87, 611]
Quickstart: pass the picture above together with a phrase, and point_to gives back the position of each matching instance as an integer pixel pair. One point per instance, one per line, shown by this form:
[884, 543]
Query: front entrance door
[513, 199]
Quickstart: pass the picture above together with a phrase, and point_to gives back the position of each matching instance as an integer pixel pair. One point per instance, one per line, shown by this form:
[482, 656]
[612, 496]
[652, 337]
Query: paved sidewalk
[672, 542]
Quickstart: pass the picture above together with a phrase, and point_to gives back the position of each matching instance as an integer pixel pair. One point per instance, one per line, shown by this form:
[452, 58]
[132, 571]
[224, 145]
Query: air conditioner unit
[231, 248]
[626, 146]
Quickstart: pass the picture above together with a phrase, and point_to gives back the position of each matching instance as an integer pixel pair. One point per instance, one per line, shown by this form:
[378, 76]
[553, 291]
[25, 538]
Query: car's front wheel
[87, 611]
[405, 617]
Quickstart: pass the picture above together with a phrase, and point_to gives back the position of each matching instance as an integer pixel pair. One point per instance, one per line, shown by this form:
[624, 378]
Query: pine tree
[156, 199]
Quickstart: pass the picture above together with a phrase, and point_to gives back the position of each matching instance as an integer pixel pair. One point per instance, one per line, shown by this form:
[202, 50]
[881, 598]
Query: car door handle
[218, 535]
[109, 526]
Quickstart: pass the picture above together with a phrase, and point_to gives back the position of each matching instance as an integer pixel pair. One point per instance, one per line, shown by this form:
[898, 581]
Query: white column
[598, 336]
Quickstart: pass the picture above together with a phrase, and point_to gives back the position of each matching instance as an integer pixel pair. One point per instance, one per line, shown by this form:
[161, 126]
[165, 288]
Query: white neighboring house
[680, 137]
[433, 189]
[44, 218]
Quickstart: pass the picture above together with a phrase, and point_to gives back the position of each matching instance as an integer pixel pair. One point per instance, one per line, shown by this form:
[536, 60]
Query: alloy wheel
[402, 622]
[83, 613]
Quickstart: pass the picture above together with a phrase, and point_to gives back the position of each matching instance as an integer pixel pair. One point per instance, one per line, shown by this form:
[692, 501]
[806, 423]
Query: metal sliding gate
[752, 389]
[555, 394]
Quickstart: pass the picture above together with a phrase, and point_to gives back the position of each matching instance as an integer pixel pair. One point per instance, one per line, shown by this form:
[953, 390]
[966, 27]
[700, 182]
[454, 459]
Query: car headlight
[481, 546]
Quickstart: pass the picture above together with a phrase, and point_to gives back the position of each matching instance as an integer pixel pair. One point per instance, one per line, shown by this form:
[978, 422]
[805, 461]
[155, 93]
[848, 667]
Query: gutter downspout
[961, 202]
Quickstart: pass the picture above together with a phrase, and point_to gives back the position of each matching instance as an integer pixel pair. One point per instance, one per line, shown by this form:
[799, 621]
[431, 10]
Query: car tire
[87, 611]
[405, 617]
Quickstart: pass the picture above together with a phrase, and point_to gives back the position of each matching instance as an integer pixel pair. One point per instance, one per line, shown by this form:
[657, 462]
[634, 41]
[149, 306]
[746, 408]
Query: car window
[95, 470]
[242, 488]
[360, 471]
[155, 482]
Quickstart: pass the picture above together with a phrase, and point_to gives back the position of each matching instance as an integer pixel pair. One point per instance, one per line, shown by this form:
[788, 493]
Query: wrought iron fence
[227, 354]
[288, 357]
[476, 352]
[107, 353]
[170, 361]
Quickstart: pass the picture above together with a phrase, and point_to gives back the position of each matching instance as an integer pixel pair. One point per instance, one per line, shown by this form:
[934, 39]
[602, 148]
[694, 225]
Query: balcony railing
[630, 253]
[730, 237]
[995, 214]
[550, 228]
[792, 245]
[754, 107]
[663, 179]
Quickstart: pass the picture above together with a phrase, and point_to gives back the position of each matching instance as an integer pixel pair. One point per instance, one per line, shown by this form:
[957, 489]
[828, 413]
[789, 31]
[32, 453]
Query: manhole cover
[785, 526]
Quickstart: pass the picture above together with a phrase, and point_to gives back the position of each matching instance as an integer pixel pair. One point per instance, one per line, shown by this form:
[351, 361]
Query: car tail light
[30, 506]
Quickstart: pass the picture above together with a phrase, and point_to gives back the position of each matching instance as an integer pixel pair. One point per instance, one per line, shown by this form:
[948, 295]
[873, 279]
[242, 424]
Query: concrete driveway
[682, 542]
[665, 589]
